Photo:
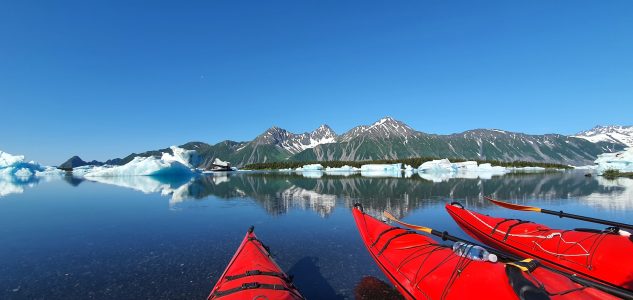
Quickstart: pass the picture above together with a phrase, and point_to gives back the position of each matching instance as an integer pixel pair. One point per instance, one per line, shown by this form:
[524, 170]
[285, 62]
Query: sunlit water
[142, 237]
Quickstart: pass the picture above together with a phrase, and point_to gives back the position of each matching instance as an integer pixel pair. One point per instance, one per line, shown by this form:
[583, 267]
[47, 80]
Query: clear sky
[105, 78]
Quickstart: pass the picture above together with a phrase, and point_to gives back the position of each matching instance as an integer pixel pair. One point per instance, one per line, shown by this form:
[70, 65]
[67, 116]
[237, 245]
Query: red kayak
[602, 256]
[252, 274]
[422, 269]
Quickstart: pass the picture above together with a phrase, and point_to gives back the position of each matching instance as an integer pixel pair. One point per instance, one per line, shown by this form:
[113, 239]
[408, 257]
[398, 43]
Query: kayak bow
[252, 274]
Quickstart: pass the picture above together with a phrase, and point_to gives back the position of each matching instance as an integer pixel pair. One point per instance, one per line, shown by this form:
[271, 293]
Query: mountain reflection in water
[278, 192]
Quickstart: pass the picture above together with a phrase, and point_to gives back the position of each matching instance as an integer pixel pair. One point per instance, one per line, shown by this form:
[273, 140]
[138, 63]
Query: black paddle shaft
[613, 290]
[562, 214]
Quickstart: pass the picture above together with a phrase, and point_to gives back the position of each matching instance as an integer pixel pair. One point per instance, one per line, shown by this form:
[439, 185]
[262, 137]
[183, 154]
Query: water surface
[170, 238]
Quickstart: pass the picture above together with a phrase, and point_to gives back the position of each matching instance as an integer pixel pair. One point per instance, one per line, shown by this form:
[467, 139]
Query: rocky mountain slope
[612, 134]
[388, 138]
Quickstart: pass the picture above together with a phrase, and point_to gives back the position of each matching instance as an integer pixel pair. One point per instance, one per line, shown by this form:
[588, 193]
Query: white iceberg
[344, 168]
[177, 164]
[311, 167]
[381, 168]
[189, 158]
[621, 161]
[437, 166]
[142, 166]
[342, 171]
[14, 167]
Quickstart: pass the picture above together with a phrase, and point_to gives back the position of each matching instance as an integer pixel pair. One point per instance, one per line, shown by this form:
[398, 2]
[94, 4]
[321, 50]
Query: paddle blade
[389, 216]
[514, 206]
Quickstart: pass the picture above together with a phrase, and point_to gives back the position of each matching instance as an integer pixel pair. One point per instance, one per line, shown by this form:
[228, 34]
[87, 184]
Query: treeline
[414, 162]
[613, 174]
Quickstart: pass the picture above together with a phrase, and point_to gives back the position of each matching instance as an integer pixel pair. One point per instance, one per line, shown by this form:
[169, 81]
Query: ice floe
[621, 161]
[310, 167]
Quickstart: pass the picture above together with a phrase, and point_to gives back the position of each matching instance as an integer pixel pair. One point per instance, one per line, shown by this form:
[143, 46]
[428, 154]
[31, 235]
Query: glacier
[621, 161]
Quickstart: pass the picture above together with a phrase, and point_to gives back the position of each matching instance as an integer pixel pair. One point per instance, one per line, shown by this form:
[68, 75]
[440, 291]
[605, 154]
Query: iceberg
[13, 167]
[180, 163]
[621, 161]
[189, 158]
[381, 168]
[142, 166]
[437, 166]
[311, 167]
[342, 171]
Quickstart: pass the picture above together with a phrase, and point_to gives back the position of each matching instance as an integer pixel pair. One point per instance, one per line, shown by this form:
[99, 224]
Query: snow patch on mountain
[612, 134]
[295, 143]
[386, 127]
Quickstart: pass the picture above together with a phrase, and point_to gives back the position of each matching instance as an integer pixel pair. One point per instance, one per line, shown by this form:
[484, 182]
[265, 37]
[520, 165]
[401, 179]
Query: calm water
[142, 238]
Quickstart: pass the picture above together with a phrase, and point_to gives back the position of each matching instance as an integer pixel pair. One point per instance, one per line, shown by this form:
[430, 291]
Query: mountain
[76, 161]
[388, 138]
[612, 134]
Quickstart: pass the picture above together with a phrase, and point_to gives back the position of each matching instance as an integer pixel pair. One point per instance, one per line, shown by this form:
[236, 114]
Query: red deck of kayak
[252, 274]
[422, 269]
[604, 257]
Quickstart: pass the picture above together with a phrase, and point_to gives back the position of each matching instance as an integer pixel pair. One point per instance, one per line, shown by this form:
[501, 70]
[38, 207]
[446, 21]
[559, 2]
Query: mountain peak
[295, 143]
[385, 128]
[608, 133]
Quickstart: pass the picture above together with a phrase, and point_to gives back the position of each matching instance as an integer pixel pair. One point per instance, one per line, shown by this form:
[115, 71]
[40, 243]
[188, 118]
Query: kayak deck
[597, 255]
[253, 274]
[422, 269]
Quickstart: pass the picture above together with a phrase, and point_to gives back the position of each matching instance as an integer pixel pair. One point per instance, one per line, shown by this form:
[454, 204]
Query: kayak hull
[600, 256]
[420, 268]
[253, 274]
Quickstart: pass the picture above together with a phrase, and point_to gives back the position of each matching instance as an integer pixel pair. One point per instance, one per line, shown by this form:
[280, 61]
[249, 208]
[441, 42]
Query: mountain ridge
[389, 138]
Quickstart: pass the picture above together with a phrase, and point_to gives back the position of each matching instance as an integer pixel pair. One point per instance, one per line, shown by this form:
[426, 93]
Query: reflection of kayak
[252, 274]
[422, 269]
[598, 255]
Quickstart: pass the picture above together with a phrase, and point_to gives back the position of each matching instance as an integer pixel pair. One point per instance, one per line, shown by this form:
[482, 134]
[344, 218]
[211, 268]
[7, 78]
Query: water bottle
[473, 252]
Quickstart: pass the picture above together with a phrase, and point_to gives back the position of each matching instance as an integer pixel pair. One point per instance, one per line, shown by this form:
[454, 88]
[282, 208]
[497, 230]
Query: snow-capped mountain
[388, 138]
[612, 134]
[295, 143]
[385, 128]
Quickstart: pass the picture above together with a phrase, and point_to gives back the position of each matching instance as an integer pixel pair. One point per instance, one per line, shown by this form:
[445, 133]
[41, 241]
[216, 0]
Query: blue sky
[104, 78]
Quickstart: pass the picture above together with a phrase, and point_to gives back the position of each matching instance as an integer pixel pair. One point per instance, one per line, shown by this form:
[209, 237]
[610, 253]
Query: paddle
[614, 290]
[560, 214]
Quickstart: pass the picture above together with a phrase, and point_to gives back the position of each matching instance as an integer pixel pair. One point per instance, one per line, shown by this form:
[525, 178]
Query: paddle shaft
[616, 291]
[562, 214]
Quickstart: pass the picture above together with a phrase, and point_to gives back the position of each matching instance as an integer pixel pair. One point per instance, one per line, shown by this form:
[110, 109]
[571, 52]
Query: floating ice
[311, 167]
[177, 164]
[189, 158]
[13, 167]
[621, 161]
[437, 166]
[381, 168]
[343, 169]
[142, 166]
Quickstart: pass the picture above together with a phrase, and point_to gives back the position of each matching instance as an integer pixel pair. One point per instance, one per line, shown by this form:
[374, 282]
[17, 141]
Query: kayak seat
[523, 287]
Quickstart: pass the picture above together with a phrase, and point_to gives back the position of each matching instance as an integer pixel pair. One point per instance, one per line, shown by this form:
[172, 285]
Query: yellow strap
[519, 265]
